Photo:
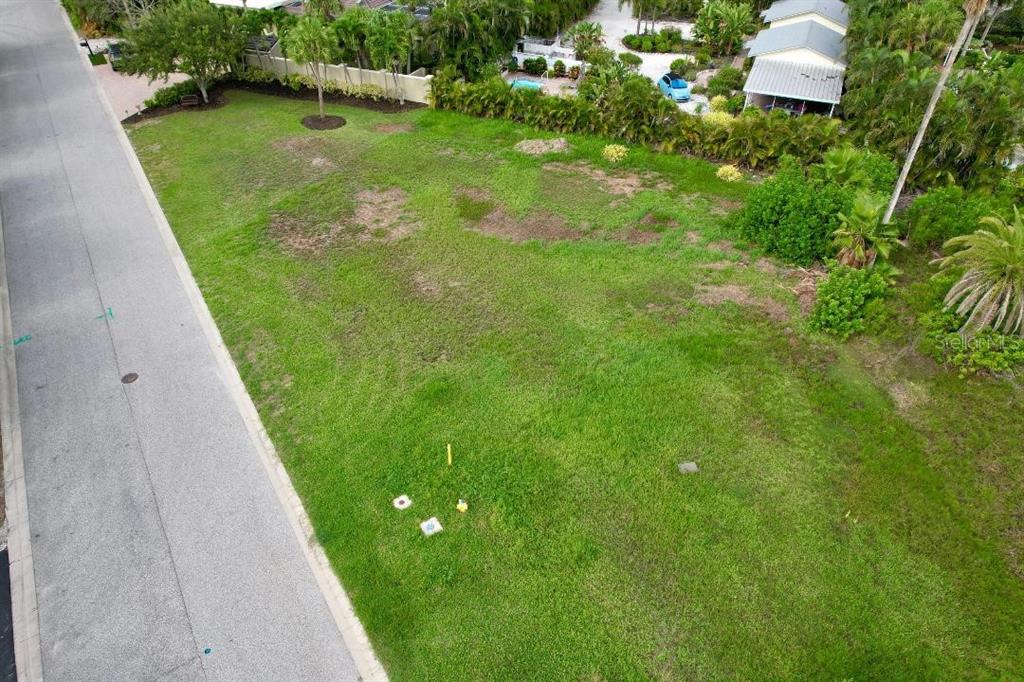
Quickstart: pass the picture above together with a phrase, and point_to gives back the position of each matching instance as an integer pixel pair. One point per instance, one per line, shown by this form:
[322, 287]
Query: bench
[190, 100]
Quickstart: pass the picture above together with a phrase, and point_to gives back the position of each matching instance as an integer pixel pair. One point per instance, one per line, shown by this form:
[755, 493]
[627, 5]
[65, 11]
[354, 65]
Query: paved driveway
[160, 545]
[127, 94]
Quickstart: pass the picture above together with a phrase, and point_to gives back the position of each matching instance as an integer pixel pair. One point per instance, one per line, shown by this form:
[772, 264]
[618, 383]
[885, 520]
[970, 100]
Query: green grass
[830, 533]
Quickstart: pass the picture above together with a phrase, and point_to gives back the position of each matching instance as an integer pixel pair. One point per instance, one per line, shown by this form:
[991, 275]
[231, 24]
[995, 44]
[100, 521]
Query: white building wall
[415, 88]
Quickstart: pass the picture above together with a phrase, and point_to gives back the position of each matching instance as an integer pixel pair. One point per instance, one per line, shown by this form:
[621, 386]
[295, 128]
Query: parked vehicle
[114, 55]
[674, 87]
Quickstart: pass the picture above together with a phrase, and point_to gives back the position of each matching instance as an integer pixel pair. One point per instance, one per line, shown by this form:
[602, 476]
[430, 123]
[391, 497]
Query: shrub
[535, 66]
[703, 58]
[792, 216]
[734, 105]
[987, 351]
[631, 60]
[859, 168]
[172, 94]
[666, 40]
[725, 82]
[729, 173]
[512, 65]
[946, 212]
[574, 72]
[613, 153]
[680, 65]
[559, 69]
[845, 298]
[252, 74]
[718, 103]
[719, 119]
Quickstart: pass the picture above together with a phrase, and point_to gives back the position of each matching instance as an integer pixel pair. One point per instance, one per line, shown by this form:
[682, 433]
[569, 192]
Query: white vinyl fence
[414, 87]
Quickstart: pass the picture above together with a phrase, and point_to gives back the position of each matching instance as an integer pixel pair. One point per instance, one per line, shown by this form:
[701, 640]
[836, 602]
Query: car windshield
[678, 83]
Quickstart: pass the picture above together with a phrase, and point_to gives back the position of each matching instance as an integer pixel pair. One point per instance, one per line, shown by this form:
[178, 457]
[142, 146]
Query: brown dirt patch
[541, 147]
[380, 215]
[540, 225]
[315, 122]
[691, 237]
[907, 395]
[806, 287]
[621, 183]
[718, 265]
[720, 206]
[718, 294]
[725, 247]
[389, 128]
[312, 150]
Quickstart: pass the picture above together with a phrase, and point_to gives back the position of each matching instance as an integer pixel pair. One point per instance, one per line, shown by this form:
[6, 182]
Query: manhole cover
[129, 378]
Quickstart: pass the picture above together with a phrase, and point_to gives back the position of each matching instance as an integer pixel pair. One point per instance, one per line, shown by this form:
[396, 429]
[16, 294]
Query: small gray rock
[688, 468]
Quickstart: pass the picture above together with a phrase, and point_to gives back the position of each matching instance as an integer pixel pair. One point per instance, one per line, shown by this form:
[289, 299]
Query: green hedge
[172, 94]
[636, 111]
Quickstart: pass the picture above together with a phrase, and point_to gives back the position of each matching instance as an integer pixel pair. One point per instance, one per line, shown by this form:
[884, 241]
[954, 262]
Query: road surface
[160, 547]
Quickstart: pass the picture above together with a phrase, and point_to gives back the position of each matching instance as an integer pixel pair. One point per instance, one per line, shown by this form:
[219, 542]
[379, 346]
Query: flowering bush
[729, 173]
[719, 103]
[719, 119]
[614, 153]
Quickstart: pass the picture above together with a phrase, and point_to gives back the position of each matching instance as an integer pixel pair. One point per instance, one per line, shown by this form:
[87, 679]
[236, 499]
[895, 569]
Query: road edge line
[351, 629]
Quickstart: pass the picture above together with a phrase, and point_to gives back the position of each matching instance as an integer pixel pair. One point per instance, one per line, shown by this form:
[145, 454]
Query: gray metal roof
[812, 82]
[809, 34]
[833, 10]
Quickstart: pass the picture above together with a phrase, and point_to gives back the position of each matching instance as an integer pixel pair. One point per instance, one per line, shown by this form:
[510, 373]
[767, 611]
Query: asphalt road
[161, 548]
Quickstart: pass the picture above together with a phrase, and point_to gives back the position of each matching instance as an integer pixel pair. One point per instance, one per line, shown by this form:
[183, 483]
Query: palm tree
[862, 238]
[389, 43]
[972, 9]
[991, 290]
[312, 43]
[586, 35]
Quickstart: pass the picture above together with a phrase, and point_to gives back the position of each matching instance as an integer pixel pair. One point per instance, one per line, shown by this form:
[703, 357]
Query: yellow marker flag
[449, 454]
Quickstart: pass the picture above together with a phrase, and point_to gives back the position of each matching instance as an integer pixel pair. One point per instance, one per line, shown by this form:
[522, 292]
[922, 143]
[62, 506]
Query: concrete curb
[24, 614]
[352, 632]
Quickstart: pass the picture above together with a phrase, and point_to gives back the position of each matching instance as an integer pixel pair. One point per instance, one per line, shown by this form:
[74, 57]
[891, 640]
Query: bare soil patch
[315, 122]
[389, 128]
[380, 215]
[621, 183]
[806, 287]
[720, 206]
[313, 150]
[718, 294]
[542, 225]
[476, 206]
[541, 147]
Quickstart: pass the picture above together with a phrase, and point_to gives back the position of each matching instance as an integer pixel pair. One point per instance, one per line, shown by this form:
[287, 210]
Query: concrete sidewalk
[164, 540]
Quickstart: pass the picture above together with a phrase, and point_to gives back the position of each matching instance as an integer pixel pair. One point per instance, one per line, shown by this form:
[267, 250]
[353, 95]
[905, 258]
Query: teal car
[674, 87]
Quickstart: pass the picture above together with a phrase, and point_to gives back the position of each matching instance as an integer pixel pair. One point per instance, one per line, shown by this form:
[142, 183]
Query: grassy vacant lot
[575, 331]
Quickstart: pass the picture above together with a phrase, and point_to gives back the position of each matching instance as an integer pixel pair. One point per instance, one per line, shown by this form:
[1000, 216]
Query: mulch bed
[314, 122]
[218, 99]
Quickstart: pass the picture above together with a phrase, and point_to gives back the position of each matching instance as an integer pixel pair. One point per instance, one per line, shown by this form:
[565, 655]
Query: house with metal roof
[800, 58]
[807, 41]
[831, 14]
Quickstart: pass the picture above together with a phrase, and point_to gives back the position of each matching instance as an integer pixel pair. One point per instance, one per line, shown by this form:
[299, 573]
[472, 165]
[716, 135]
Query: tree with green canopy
[314, 44]
[192, 37]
